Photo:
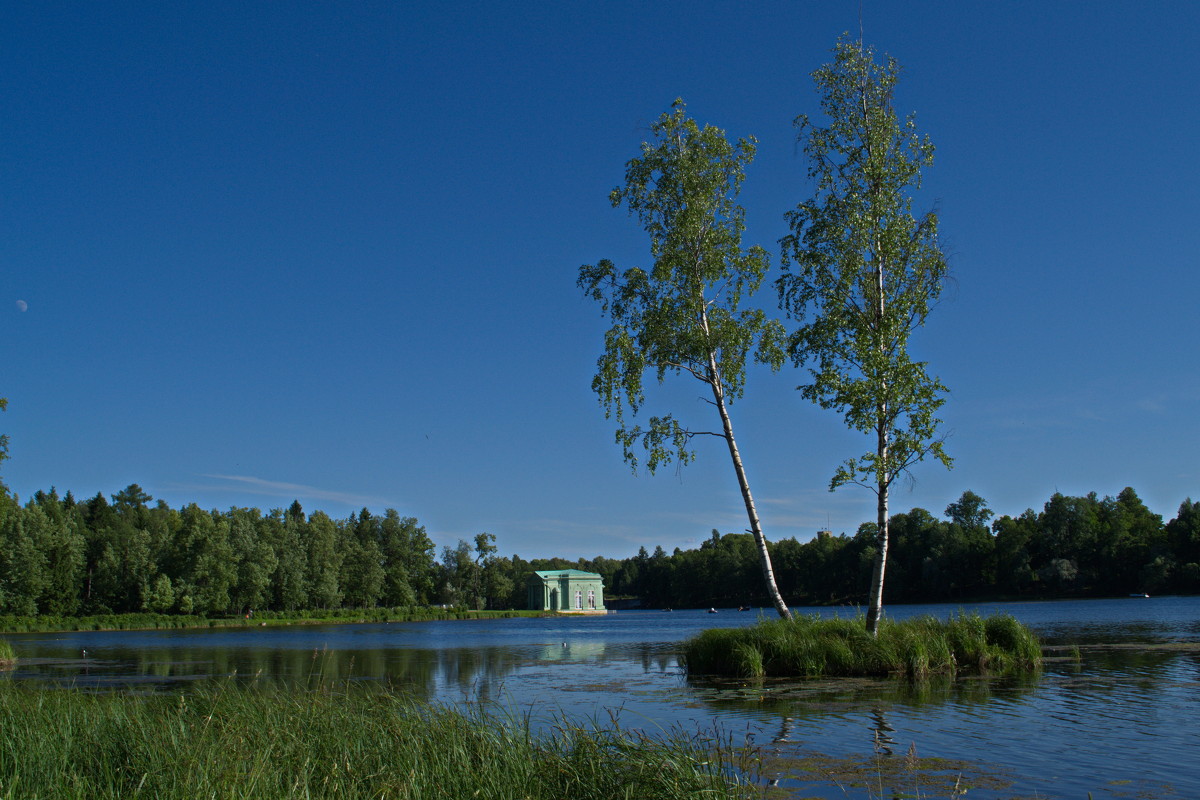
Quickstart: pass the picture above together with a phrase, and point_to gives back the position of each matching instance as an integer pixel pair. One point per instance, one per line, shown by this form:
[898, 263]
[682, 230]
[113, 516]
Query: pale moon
[22, 305]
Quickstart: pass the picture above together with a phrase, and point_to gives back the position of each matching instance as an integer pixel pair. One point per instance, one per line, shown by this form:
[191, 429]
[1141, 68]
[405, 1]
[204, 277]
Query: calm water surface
[1119, 722]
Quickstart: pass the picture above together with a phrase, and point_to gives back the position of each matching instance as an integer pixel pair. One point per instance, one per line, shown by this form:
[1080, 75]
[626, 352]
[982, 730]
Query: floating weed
[881, 776]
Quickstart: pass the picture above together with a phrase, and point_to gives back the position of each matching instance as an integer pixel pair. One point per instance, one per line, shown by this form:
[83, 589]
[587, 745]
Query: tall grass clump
[812, 647]
[251, 741]
[7, 656]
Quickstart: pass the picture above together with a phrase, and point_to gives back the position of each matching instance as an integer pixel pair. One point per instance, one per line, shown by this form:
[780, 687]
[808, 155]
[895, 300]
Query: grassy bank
[129, 622]
[259, 742]
[809, 647]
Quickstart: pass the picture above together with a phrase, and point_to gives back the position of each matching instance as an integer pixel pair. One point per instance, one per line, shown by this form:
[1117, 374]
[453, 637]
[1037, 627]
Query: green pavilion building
[567, 591]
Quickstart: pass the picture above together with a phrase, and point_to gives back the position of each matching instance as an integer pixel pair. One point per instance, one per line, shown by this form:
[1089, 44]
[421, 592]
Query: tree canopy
[685, 315]
[862, 273]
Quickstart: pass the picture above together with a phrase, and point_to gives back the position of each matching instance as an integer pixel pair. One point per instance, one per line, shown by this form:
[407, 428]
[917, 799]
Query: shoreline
[267, 619]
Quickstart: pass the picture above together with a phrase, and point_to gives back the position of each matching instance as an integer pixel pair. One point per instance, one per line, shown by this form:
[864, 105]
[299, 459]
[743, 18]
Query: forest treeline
[1075, 547]
[67, 557]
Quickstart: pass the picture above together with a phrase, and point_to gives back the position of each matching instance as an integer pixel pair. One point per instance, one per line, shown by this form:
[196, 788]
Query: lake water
[1120, 721]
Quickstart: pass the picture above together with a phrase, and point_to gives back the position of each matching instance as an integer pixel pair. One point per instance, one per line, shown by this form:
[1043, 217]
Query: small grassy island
[809, 646]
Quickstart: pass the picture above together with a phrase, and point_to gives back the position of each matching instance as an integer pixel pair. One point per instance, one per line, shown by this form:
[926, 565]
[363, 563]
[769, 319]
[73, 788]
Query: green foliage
[684, 315]
[8, 656]
[861, 272]
[916, 648]
[60, 559]
[338, 741]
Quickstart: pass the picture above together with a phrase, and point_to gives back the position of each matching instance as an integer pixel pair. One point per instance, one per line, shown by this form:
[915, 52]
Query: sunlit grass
[351, 742]
[7, 656]
[809, 646]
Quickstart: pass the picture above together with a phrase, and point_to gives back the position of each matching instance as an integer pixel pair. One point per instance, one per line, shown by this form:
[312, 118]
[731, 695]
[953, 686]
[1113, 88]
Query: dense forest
[59, 555]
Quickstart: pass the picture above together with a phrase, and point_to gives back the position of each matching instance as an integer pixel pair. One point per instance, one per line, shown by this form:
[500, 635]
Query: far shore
[266, 619]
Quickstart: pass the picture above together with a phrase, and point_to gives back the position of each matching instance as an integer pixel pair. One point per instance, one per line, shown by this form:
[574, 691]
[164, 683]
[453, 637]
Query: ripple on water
[1116, 722]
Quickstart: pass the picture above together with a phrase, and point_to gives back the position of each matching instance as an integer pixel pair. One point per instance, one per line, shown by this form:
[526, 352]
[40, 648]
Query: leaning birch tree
[684, 315]
[861, 274]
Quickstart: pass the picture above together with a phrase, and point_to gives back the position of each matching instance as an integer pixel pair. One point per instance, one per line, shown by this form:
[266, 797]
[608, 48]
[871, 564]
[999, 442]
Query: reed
[7, 656]
[348, 741]
[809, 646]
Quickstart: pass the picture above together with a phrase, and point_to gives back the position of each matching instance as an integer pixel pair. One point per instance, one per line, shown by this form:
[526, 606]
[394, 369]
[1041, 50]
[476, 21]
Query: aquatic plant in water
[812, 647]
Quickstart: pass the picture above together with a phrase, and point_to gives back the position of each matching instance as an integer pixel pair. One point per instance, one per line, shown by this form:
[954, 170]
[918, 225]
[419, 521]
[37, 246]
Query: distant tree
[62, 543]
[131, 498]
[1015, 548]
[324, 562]
[627, 580]
[362, 566]
[969, 512]
[396, 542]
[162, 595]
[254, 560]
[459, 576]
[121, 561]
[23, 577]
[1132, 538]
[493, 582]
[685, 315]
[861, 274]
[519, 571]
[969, 549]
[206, 561]
[1183, 537]
[1071, 531]
[657, 578]
[286, 534]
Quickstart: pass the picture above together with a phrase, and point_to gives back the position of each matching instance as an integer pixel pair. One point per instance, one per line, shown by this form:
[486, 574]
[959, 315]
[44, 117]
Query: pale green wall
[557, 592]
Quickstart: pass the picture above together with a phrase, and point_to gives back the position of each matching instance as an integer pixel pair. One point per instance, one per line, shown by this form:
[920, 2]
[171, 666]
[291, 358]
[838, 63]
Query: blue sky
[251, 253]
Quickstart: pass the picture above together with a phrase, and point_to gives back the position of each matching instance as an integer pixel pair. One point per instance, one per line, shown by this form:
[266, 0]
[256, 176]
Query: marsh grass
[809, 646]
[7, 656]
[352, 741]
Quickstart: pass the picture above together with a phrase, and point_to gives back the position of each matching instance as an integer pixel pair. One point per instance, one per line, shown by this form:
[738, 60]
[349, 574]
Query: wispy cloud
[262, 487]
[1152, 405]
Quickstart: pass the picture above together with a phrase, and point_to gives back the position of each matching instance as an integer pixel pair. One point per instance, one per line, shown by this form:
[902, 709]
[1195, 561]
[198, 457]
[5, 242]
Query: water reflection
[817, 696]
[882, 732]
[1114, 703]
[573, 651]
[425, 674]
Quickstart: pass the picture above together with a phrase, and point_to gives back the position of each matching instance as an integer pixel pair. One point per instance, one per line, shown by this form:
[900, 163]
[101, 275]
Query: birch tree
[861, 274]
[684, 316]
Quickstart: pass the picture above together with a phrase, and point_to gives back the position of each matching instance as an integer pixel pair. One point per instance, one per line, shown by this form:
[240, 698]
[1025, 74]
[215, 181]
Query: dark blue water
[1119, 721]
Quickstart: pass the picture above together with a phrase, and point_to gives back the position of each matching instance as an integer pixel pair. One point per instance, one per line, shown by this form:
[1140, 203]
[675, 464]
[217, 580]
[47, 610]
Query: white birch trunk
[760, 541]
[883, 471]
[875, 608]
